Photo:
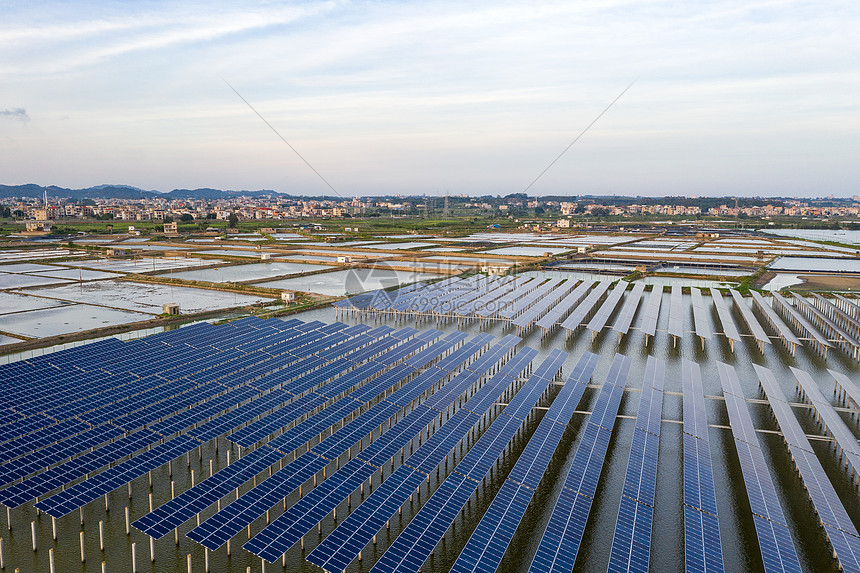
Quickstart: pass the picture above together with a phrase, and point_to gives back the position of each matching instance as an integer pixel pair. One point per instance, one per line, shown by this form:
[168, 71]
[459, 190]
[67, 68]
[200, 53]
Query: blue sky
[731, 98]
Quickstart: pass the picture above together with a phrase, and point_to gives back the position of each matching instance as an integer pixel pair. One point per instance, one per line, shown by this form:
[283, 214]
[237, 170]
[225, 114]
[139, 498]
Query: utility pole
[447, 212]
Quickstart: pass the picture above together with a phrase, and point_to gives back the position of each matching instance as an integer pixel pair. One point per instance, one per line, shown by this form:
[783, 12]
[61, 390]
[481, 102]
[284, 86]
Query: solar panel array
[702, 550]
[246, 365]
[828, 328]
[537, 310]
[838, 526]
[415, 543]
[559, 544]
[129, 388]
[489, 541]
[256, 501]
[631, 543]
[223, 525]
[368, 518]
[777, 550]
[522, 304]
[784, 332]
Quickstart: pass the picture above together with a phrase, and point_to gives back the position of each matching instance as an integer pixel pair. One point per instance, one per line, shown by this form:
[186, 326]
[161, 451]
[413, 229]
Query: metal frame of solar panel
[631, 542]
[777, 550]
[702, 549]
[559, 544]
[282, 533]
[490, 539]
[838, 527]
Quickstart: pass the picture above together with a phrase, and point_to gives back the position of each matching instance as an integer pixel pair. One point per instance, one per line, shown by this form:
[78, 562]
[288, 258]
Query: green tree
[233, 220]
[186, 217]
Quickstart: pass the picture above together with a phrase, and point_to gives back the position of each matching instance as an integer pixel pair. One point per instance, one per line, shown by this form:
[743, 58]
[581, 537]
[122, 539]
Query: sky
[729, 97]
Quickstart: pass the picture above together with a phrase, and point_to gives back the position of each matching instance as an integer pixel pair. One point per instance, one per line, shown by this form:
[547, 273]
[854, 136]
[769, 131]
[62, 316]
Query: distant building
[171, 228]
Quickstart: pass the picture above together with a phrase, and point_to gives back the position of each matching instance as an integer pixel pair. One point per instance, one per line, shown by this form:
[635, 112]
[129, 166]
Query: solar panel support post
[33, 534]
[83, 555]
[134, 558]
[102, 535]
[127, 525]
[50, 560]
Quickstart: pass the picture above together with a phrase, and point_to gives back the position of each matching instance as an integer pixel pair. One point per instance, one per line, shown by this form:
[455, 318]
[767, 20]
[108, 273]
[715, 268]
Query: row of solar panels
[553, 302]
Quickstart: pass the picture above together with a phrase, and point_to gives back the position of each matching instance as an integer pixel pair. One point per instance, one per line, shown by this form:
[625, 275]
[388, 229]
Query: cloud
[18, 113]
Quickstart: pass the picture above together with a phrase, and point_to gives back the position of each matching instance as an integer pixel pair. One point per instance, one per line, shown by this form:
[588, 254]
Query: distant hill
[125, 192]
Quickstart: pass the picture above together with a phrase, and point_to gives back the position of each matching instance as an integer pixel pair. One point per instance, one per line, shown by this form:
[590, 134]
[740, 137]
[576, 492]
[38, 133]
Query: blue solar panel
[702, 548]
[631, 542]
[560, 542]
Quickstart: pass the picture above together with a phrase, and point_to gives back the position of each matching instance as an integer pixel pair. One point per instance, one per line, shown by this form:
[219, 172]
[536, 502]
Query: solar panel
[676, 313]
[600, 318]
[632, 539]
[560, 542]
[520, 305]
[652, 311]
[93, 488]
[702, 548]
[838, 526]
[537, 310]
[777, 550]
[774, 320]
[729, 329]
[700, 315]
[344, 543]
[628, 311]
